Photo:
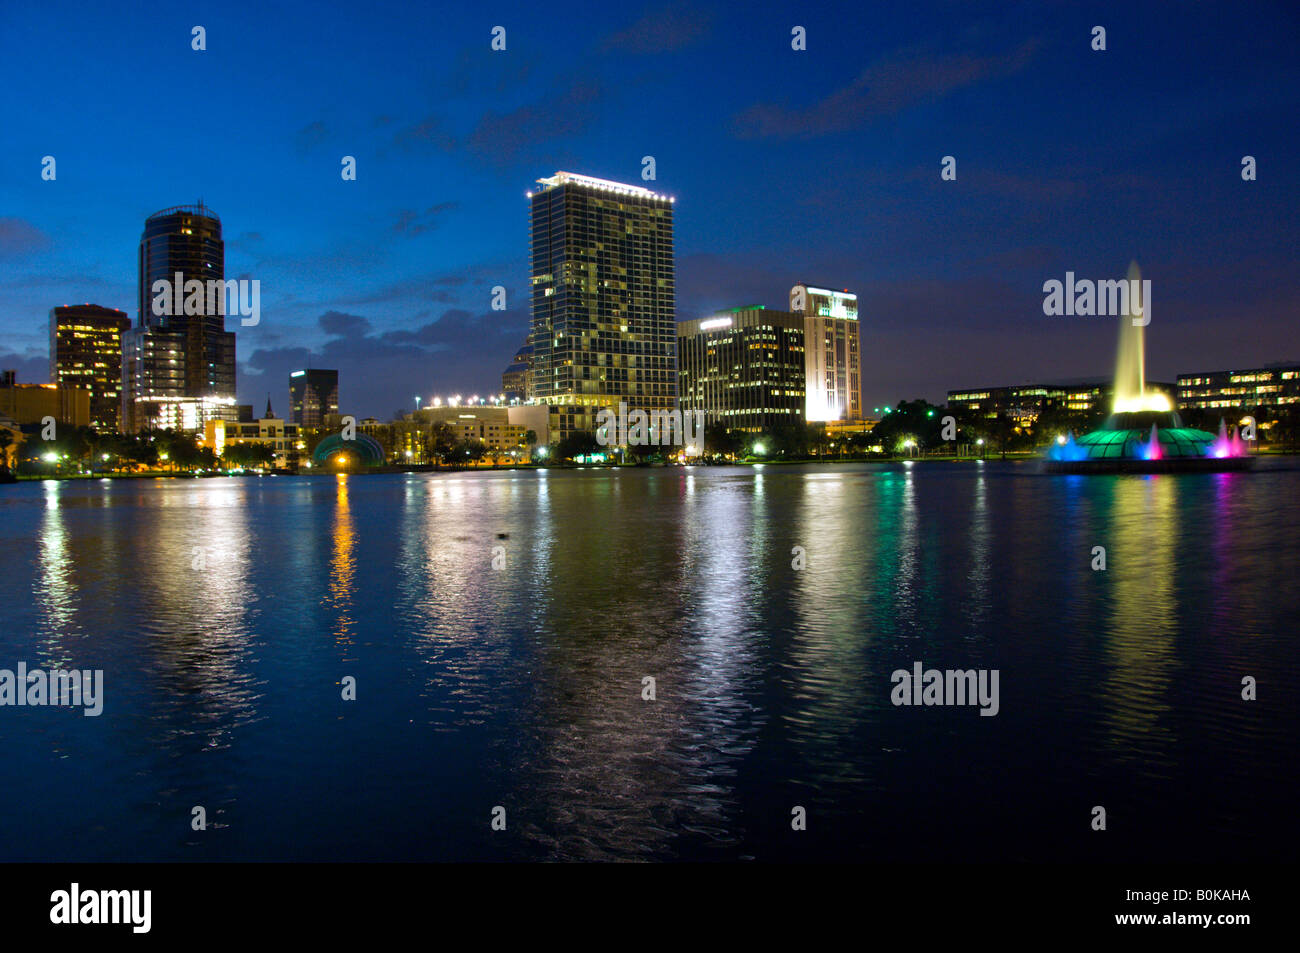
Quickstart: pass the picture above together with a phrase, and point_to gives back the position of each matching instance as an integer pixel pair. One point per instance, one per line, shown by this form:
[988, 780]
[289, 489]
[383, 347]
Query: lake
[498, 629]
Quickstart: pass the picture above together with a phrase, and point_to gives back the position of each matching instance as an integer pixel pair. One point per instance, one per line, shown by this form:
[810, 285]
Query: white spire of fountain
[1130, 361]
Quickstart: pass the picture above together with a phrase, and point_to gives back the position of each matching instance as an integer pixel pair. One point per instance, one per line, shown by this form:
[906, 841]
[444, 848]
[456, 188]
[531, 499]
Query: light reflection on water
[226, 612]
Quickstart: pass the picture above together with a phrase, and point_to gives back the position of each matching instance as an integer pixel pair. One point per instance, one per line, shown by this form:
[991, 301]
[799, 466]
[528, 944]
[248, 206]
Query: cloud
[883, 89]
[18, 237]
[662, 30]
[343, 325]
[426, 134]
[410, 222]
[309, 137]
[561, 115]
[32, 368]
[459, 352]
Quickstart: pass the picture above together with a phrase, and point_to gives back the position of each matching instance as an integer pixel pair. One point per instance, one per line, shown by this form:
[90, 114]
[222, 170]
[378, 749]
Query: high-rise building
[178, 368]
[743, 367]
[602, 299]
[86, 352]
[313, 393]
[515, 378]
[834, 365]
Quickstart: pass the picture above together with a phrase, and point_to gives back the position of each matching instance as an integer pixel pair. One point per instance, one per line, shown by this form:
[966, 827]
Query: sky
[819, 165]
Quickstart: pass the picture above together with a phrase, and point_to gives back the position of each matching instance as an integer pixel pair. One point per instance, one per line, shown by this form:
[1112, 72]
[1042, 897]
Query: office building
[284, 438]
[31, 404]
[515, 379]
[745, 368]
[178, 369]
[1273, 387]
[86, 353]
[833, 365]
[602, 299]
[1023, 403]
[313, 395]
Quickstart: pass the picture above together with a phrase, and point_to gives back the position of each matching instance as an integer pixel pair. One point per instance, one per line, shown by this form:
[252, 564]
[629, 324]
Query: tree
[723, 443]
[787, 439]
[441, 442]
[578, 443]
[468, 451]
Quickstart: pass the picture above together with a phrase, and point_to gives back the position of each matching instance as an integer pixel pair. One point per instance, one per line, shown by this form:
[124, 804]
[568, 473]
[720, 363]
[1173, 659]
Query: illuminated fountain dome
[1144, 434]
[362, 450]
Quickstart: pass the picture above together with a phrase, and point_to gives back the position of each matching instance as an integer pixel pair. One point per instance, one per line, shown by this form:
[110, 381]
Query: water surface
[226, 612]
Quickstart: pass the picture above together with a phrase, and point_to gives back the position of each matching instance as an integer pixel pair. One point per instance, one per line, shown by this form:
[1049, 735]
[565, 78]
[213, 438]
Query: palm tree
[6, 441]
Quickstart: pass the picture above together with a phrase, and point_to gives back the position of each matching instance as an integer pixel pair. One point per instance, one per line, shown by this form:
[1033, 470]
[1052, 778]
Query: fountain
[1143, 433]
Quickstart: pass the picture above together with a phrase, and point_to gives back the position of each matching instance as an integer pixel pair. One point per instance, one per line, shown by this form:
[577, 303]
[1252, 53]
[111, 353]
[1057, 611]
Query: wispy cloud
[309, 137]
[568, 112]
[411, 222]
[19, 237]
[662, 30]
[885, 88]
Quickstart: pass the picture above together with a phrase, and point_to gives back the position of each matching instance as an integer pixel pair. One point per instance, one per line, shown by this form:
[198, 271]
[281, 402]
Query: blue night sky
[819, 166]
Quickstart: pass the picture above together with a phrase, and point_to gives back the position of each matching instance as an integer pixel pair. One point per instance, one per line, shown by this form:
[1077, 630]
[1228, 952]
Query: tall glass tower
[179, 369]
[603, 322]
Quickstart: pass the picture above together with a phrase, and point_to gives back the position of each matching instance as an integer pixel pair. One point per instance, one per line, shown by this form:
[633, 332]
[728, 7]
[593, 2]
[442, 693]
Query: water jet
[1143, 433]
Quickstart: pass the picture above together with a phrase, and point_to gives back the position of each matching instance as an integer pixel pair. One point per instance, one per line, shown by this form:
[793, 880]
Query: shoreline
[389, 470]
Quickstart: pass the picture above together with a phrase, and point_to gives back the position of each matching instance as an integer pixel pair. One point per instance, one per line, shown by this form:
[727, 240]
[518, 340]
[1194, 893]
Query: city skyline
[391, 281]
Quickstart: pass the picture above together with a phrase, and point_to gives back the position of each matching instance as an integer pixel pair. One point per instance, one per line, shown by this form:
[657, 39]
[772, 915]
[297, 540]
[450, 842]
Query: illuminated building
[497, 428]
[743, 367]
[32, 403]
[86, 352]
[178, 370]
[313, 395]
[833, 365]
[1024, 402]
[282, 437]
[1277, 386]
[515, 379]
[602, 299]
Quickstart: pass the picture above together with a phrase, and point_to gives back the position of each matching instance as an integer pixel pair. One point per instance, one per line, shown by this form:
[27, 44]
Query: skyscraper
[744, 368]
[515, 378]
[179, 368]
[834, 365]
[602, 299]
[313, 393]
[86, 352]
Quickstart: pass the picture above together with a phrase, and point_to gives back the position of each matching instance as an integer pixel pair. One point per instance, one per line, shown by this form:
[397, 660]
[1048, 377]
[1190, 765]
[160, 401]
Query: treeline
[83, 449]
